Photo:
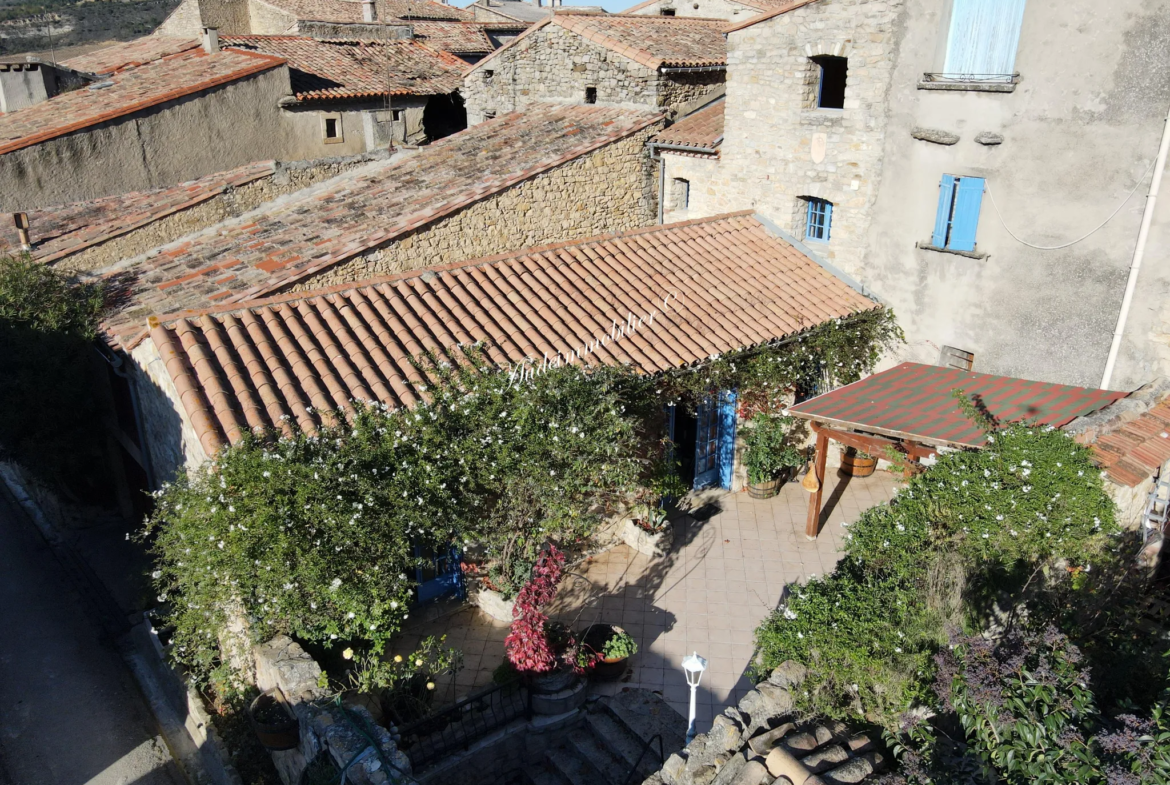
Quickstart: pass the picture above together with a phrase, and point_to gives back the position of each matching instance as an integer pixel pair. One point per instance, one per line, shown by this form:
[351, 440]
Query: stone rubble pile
[762, 742]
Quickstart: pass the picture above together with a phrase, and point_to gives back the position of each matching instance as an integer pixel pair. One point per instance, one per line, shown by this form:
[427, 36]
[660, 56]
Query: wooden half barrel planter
[276, 727]
[767, 490]
[857, 464]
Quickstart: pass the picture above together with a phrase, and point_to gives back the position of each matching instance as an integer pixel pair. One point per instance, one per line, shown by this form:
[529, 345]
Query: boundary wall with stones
[612, 189]
[762, 741]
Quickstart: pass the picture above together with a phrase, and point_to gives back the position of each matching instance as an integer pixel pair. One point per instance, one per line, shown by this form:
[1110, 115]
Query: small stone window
[680, 194]
[667, 12]
[831, 80]
[590, 95]
[489, 115]
[397, 115]
[331, 131]
[487, 75]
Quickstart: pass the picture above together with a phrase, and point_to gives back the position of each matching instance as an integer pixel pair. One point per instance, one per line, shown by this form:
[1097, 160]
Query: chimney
[22, 230]
[369, 14]
[210, 40]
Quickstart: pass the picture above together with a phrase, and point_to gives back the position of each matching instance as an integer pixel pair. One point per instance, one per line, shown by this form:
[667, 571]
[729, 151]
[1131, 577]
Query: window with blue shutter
[818, 220]
[957, 219]
[982, 41]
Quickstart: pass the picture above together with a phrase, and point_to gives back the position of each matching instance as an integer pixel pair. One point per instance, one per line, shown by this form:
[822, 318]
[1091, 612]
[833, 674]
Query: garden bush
[960, 546]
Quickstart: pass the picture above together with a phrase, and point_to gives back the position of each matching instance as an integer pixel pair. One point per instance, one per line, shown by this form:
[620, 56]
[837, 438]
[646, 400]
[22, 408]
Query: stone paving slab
[731, 560]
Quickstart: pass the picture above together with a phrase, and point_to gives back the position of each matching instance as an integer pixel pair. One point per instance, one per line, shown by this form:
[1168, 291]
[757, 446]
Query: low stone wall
[287, 178]
[761, 741]
[610, 190]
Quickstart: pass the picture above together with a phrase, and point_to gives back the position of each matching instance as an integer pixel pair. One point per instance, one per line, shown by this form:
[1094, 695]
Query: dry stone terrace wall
[610, 190]
[771, 119]
[289, 177]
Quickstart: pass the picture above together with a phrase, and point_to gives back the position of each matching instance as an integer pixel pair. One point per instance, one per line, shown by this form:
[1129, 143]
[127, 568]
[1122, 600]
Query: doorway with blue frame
[705, 440]
[438, 573]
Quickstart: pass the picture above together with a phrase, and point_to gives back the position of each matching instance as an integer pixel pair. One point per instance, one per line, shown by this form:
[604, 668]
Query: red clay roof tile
[702, 129]
[1135, 449]
[129, 54]
[737, 286]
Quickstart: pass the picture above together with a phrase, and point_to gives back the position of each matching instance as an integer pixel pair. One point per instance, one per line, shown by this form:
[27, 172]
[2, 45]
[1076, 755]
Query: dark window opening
[397, 115]
[831, 90]
[590, 95]
[487, 75]
[443, 116]
[667, 12]
[330, 127]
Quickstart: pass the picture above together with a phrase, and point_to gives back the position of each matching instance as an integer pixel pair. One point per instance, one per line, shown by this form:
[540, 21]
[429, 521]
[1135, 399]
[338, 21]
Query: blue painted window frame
[818, 220]
[957, 219]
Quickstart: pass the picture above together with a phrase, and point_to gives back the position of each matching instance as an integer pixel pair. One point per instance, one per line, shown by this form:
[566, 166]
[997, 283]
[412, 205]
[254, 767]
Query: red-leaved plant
[528, 646]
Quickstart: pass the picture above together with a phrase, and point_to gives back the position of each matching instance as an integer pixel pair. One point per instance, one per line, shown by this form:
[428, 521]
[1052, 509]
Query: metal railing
[462, 724]
[646, 748]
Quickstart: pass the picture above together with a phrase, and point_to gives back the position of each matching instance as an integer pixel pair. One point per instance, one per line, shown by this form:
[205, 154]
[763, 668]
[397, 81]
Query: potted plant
[647, 530]
[771, 459]
[856, 463]
[613, 647]
[272, 719]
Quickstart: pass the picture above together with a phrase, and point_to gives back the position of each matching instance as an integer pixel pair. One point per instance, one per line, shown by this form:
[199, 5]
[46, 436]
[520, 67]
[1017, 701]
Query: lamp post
[693, 666]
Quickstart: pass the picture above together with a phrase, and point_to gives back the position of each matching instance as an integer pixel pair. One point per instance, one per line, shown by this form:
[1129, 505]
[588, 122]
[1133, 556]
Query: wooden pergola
[912, 409]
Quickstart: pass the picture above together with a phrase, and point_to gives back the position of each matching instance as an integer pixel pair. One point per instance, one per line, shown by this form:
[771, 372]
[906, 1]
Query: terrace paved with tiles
[731, 560]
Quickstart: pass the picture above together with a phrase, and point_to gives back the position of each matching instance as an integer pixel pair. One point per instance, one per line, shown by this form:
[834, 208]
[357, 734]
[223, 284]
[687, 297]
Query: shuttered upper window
[981, 44]
[959, 200]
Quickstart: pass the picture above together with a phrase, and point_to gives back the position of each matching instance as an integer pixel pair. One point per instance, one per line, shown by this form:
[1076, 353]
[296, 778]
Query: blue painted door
[706, 444]
[715, 441]
[438, 573]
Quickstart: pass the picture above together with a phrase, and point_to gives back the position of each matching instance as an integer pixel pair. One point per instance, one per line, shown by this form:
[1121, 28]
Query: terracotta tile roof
[776, 9]
[914, 401]
[653, 41]
[128, 91]
[348, 69]
[314, 229]
[760, 5]
[455, 37]
[350, 11]
[1135, 451]
[702, 129]
[131, 53]
[61, 231]
[298, 356]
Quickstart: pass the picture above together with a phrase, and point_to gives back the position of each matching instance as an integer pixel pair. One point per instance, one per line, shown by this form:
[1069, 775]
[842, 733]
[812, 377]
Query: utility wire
[1017, 238]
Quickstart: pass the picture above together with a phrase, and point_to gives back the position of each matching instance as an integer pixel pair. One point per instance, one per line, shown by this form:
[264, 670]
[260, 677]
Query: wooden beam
[813, 525]
[874, 445]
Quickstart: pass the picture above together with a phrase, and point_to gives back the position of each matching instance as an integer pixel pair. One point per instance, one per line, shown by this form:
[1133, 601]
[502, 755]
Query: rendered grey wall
[1080, 130]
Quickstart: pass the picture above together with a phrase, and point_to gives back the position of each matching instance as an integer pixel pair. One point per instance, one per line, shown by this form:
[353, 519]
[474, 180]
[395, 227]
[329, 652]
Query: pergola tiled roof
[325, 70]
[314, 229]
[60, 231]
[701, 130]
[727, 282]
[653, 41]
[915, 402]
[126, 91]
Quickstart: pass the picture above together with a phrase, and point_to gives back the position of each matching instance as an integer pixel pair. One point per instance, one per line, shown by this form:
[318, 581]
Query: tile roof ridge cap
[767, 15]
[435, 270]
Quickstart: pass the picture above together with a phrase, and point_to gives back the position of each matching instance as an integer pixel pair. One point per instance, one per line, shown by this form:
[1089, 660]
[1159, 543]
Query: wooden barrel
[855, 465]
[764, 490]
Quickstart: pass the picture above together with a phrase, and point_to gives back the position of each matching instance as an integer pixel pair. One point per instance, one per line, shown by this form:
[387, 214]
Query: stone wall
[553, 64]
[703, 9]
[683, 92]
[288, 177]
[698, 171]
[184, 22]
[610, 190]
[762, 741]
[778, 147]
[170, 440]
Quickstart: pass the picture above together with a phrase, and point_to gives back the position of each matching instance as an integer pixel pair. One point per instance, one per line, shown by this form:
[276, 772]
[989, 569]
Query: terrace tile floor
[731, 560]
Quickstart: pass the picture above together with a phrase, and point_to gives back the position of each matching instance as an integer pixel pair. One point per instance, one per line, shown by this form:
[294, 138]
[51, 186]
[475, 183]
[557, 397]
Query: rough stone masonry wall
[761, 741]
[553, 64]
[773, 125]
[610, 190]
[288, 177]
[703, 9]
[696, 170]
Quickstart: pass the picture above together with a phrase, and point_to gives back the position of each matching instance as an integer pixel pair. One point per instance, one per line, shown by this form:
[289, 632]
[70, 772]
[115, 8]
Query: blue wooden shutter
[726, 437]
[942, 220]
[983, 37]
[828, 219]
[966, 217]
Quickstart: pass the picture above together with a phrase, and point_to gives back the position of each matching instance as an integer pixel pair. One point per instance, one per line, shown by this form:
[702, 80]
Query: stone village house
[927, 155]
[163, 110]
[670, 65]
[730, 10]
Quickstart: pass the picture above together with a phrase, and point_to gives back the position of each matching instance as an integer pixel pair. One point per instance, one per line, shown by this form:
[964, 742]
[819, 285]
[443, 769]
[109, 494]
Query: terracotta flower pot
[276, 726]
[608, 669]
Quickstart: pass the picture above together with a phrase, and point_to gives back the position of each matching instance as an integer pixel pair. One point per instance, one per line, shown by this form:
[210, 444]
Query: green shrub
[769, 448]
[912, 567]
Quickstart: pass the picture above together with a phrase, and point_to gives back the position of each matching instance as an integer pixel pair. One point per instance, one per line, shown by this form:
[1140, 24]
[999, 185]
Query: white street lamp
[693, 666]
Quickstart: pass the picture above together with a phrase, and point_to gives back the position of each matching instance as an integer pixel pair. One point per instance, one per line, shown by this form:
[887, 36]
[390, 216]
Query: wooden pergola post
[813, 525]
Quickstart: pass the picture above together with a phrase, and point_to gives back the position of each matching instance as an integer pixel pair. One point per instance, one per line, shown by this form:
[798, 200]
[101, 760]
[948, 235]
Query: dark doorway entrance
[443, 116]
[685, 433]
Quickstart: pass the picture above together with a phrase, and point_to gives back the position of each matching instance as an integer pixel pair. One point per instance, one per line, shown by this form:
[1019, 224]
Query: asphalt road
[70, 712]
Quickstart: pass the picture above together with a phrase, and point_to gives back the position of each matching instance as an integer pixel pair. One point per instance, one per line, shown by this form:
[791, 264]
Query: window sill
[969, 87]
[969, 254]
